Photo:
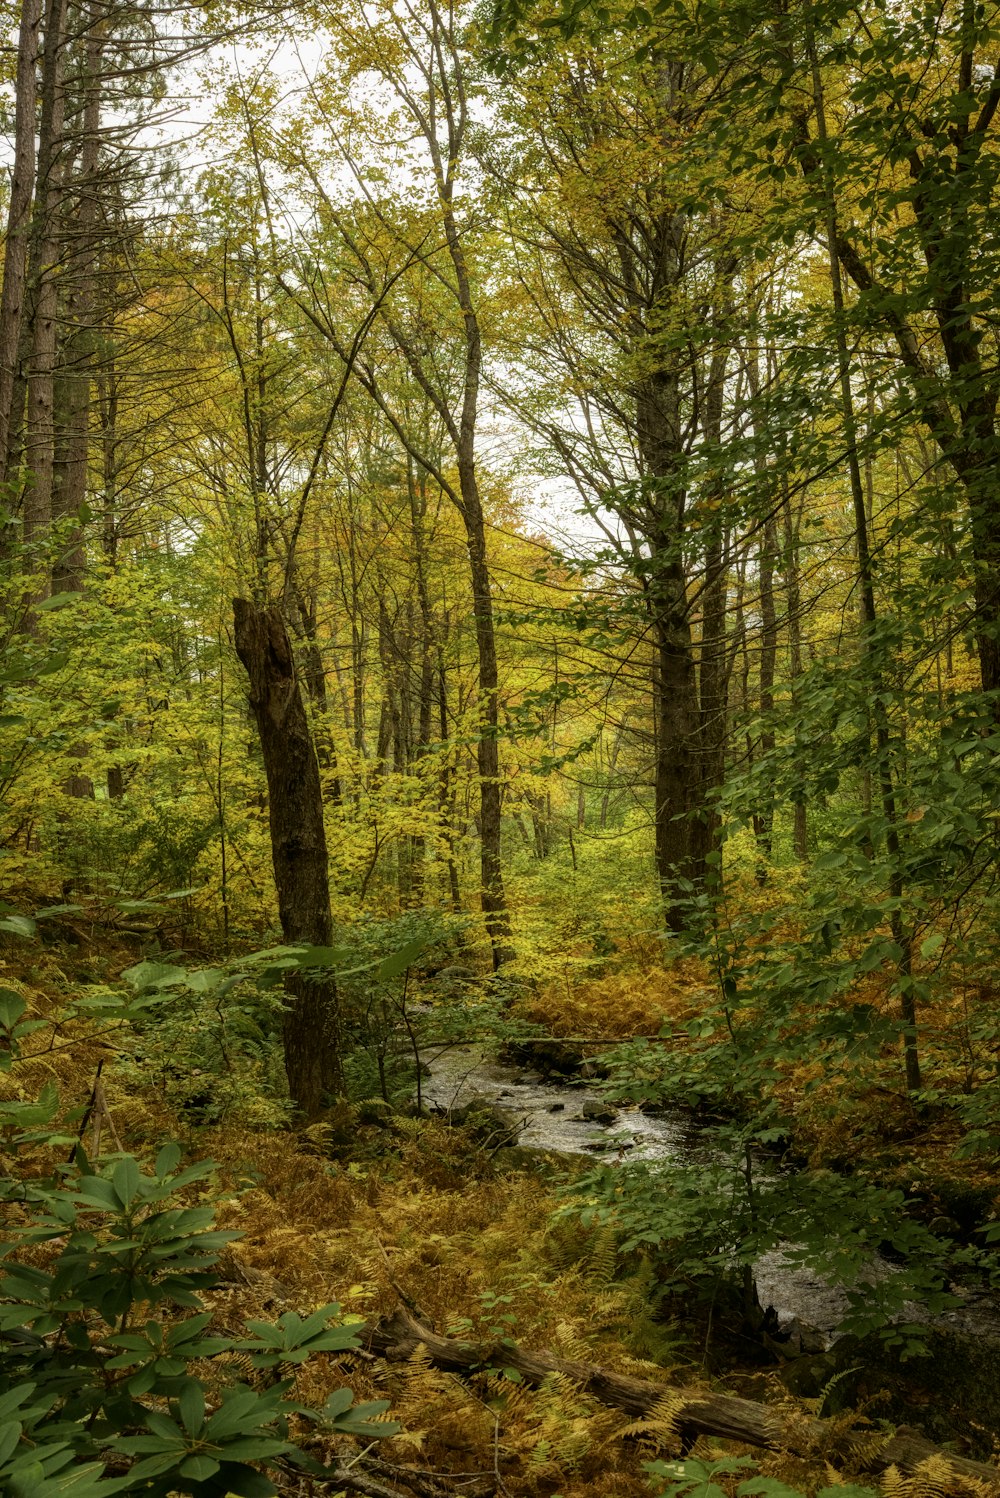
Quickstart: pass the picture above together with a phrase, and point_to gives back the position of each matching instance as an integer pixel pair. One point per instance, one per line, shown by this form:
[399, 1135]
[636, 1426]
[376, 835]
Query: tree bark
[80, 235]
[15, 266]
[713, 676]
[40, 448]
[698, 1413]
[298, 848]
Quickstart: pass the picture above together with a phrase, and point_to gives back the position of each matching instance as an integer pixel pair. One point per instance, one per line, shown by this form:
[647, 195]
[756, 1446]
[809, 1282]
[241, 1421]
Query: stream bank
[953, 1392]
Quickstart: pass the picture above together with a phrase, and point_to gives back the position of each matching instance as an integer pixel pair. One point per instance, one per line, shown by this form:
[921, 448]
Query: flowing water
[551, 1116]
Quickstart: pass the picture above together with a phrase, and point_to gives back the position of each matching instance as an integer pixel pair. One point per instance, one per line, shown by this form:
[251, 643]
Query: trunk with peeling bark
[298, 848]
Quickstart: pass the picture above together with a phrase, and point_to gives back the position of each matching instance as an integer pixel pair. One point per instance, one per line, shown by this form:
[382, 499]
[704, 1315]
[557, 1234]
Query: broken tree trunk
[298, 849]
[699, 1413]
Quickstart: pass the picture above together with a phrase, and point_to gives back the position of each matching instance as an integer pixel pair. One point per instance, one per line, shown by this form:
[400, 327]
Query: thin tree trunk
[800, 815]
[901, 935]
[768, 658]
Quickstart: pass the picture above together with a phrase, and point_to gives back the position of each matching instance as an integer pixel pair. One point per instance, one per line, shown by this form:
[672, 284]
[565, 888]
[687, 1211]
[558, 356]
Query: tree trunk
[764, 821]
[695, 1412]
[713, 679]
[81, 236]
[790, 528]
[40, 450]
[679, 861]
[298, 849]
[15, 266]
[494, 900]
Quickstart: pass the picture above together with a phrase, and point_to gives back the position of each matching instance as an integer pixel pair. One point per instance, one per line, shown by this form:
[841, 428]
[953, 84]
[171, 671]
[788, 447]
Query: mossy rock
[487, 1123]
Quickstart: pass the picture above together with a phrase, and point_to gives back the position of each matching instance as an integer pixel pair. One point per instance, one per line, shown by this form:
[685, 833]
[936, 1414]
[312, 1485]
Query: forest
[500, 748]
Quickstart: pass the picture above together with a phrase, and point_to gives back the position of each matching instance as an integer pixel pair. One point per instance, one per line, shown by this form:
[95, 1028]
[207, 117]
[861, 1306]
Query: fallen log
[698, 1413]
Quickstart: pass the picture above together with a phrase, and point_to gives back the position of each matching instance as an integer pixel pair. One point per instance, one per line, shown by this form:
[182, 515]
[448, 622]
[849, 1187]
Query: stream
[550, 1116]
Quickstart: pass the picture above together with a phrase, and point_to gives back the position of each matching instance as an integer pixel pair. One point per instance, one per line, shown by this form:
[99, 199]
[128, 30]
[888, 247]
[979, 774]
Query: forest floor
[374, 1212]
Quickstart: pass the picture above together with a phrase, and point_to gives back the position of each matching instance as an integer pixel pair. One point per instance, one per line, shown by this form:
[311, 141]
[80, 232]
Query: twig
[357, 1482]
[88, 1110]
[407, 1299]
[423, 1483]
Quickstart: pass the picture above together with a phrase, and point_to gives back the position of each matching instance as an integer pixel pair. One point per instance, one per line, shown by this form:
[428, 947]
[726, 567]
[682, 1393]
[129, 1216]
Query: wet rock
[598, 1112]
[553, 1058]
[519, 1157]
[487, 1123]
[804, 1339]
[556, 1108]
[792, 1339]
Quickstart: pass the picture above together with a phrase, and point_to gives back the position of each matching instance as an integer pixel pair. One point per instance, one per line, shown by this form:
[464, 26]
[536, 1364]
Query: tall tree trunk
[764, 820]
[447, 792]
[790, 541]
[40, 450]
[80, 236]
[494, 900]
[902, 935]
[416, 483]
[713, 680]
[677, 736]
[15, 264]
[298, 849]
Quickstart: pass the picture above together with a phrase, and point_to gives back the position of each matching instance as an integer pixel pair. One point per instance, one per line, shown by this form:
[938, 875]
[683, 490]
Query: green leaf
[232, 1414]
[12, 1006]
[17, 925]
[337, 1402]
[205, 979]
[199, 1467]
[766, 1487]
[153, 975]
[126, 1179]
[322, 956]
[191, 1406]
[9, 1437]
[252, 1448]
[167, 1160]
[398, 962]
[932, 944]
[57, 601]
[95, 1191]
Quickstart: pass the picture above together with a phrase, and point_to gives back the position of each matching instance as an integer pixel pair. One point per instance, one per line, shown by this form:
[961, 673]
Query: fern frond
[663, 1420]
[816, 1404]
[604, 1256]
